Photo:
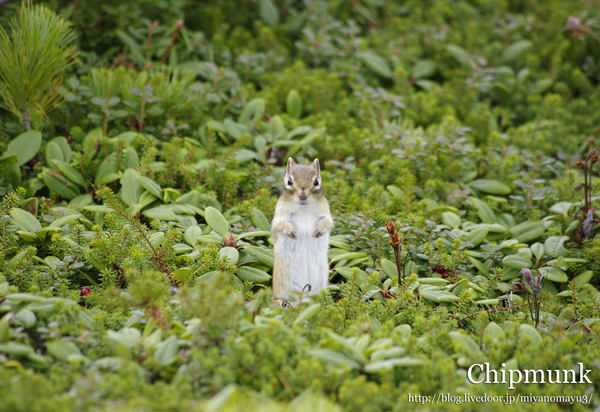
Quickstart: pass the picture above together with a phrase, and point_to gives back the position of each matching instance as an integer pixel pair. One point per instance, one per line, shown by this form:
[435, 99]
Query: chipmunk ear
[317, 167]
[289, 166]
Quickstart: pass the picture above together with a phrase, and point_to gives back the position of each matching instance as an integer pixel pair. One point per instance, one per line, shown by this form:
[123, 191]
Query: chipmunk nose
[303, 196]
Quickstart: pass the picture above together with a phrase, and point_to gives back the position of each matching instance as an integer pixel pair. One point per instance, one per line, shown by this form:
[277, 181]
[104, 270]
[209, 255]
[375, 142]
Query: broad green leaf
[182, 274]
[252, 112]
[424, 69]
[216, 221]
[25, 219]
[268, 12]
[561, 208]
[463, 341]
[231, 255]
[483, 210]
[191, 235]
[538, 250]
[254, 233]
[476, 236]
[389, 268]
[517, 261]
[530, 332]
[252, 274]
[376, 64]
[107, 171]
[60, 222]
[25, 146]
[264, 256]
[131, 189]
[305, 141]
[479, 266]
[494, 331]
[131, 158]
[69, 172]
[348, 256]
[15, 349]
[386, 365]
[259, 220]
[554, 274]
[293, 104]
[235, 130]
[450, 219]
[81, 201]
[149, 184]
[64, 147]
[583, 278]
[160, 213]
[554, 246]
[53, 152]
[492, 187]
[337, 358]
[11, 172]
[514, 50]
[308, 314]
[459, 54]
[62, 349]
[166, 351]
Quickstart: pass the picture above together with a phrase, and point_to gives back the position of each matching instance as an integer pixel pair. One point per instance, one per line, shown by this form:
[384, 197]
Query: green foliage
[34, 54]
[135, 249]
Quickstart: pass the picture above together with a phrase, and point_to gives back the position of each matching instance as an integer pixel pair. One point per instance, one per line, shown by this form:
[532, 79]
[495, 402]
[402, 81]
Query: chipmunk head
[302, 183]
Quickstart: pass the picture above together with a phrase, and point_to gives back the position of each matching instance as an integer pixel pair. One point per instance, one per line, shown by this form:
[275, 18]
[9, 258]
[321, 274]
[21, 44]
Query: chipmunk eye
[316, 182]
[290, 181]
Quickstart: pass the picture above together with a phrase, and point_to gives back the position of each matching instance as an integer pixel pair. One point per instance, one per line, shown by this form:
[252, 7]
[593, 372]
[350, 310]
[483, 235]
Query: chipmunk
[300, 230]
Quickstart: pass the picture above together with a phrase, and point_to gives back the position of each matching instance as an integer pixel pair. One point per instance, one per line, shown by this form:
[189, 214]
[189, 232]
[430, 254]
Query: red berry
[85, 292]
[439, 269]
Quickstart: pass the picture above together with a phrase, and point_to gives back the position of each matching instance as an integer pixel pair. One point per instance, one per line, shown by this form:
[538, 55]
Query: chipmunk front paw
[323, 226]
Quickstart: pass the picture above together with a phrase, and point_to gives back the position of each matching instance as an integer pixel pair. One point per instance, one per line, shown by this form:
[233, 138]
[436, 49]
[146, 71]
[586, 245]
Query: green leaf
[25, 219]
[252, 274]
[268, 12]
[25, 146]
[131, 189]
[235, 130]
[10, 171]
[517, 261]
[561, 208]
[53, 152]
[149, 184]
[514, 50]
[160, 213]
[385, 365]
[166, 351]
[64, 147]
[260, 220]
[62, 350]
[492, 187]
[254, 233]
[530, 332]
[450, 219]
[107, 171]
[583, 278]
[337, 358]
[15, 349]
[476, 236]
[348, 256]
[252, 112]
[308, 313]
[69, 172]
[494, 331]
[293, 104]
[376, 64]
[216, 221]
[389, 268]
[305, 141]
[483, 210]
[264, 255]
[191, 235]
[554, 274]
[554, 246]
[538, 250]
[479, 266]
[459, 54]
[463, 341]
[231, 254]
[424, 69]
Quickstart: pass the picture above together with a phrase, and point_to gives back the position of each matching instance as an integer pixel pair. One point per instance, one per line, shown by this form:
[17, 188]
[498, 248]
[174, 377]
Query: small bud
[527, 277]
[229, 240]
[579, 164]
[518, 287]
[579, 186]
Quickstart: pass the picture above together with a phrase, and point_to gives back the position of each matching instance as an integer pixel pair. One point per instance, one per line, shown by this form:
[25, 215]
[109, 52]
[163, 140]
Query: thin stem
[26, 119]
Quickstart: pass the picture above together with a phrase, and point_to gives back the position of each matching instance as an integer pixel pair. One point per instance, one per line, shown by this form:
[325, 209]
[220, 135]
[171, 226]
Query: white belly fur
[304, 259]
